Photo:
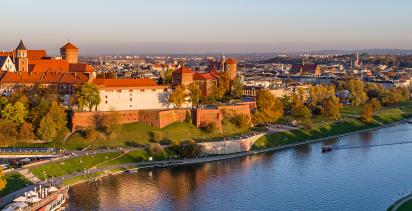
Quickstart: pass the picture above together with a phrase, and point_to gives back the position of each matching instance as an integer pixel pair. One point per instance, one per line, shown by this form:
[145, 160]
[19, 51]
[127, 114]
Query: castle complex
[138, 100]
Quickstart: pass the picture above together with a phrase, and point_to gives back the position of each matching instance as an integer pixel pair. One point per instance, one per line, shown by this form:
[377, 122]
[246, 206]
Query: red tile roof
[69, 45]
[183, 69]
[43, 78]
[204, 76]
[31, 54]
[139, 82]
[48, 65]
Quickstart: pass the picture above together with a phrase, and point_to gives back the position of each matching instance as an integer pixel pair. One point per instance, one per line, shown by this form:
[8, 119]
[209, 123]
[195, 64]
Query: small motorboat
[327, 148]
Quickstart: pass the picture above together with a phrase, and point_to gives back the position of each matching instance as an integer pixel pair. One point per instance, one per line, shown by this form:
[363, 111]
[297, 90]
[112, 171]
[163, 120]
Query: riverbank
[117, 169]
[71, 177]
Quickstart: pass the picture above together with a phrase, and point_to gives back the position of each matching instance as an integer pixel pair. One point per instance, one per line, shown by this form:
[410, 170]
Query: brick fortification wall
[162, 118]
[159, 118]
[203, 117]
[155, 118]
[80, 120]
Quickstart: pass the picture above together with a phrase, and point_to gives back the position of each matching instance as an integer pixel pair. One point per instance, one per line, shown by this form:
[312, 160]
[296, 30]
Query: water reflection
[302, 178]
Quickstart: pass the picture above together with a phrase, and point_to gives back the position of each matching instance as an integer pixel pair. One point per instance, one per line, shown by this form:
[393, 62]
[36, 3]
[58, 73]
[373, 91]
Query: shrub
[90, 133]
[157, 136]
[212, 127]
[155, 149]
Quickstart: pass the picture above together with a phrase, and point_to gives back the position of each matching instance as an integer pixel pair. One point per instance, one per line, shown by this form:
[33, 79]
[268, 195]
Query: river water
[365, 172]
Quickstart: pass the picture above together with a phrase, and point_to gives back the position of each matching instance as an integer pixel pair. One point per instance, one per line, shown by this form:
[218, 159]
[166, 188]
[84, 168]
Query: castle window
[106, 101]
[131, 99]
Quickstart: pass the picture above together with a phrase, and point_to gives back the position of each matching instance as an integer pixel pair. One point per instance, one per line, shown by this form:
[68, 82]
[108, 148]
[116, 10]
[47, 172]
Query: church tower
[21, 61]
[70, 53]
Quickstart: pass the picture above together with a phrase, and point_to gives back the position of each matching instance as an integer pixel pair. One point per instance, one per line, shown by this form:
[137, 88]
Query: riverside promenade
[170, 163]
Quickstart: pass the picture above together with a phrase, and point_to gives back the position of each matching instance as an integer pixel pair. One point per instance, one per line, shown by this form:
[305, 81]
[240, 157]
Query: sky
[206, 26]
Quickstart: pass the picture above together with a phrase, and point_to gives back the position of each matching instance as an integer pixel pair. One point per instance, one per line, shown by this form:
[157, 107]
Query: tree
[331, 108]
[8, 132]
[375, 104]
[3, 181]
[47, 128]
[358, 95]
[3, 102]
[269, 108]
[367, 112]
[26, 131]
[58, 115]
[111, 122]
[301, 112]
[88, 96]
[194, 94]
[237, 88]
[223, 84]
[167, 79]
[178, 96]
[16, 112]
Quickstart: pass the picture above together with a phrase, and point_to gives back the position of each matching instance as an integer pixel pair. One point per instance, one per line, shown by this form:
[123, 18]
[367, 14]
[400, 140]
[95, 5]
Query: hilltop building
[205, 80]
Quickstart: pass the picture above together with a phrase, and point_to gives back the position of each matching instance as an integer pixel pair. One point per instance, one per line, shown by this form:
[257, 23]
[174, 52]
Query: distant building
[305, 69]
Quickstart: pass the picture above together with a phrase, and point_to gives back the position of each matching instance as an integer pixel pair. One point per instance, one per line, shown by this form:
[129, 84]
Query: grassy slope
[134, 134]
[325, 129]
[60, 168]
[15, 181]
[407, 206]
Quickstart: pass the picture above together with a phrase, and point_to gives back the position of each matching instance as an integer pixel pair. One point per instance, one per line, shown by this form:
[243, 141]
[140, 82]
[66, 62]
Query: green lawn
[131, 157]
[15, 181]
[321, 130]
[135, 134]
[60, 168]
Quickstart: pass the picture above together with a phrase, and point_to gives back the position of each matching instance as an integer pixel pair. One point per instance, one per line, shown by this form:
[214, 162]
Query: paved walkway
[30, 176]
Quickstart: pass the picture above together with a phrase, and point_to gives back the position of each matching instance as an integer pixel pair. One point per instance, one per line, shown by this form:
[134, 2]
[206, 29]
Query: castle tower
[22, 61]
[70, 53]
[231, 68]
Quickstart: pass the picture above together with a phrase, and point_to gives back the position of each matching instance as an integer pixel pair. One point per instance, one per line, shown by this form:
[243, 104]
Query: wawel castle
[23, 67]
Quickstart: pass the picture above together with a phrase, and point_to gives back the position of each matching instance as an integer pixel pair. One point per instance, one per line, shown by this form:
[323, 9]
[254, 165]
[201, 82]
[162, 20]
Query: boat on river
[48, 198]
[327, 148]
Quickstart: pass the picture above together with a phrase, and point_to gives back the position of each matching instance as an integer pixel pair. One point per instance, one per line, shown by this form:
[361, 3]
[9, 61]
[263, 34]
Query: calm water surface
[358, 176]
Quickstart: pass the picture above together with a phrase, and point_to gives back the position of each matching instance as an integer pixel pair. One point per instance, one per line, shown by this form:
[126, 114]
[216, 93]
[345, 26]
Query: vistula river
[367, 171]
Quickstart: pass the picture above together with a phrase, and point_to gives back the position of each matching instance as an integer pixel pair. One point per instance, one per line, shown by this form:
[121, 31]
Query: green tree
[178, 96]
[167, 79]
[237, 88]
[3, 102]
[58, 115]
[47, 128]
[3, 181]
[269, 108]
[358, 95]
[194, 94]
[88, 96]
[16, 112]
[331, 108]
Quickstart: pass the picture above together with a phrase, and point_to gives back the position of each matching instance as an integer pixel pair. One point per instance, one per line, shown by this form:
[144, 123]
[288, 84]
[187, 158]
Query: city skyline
[143, 27]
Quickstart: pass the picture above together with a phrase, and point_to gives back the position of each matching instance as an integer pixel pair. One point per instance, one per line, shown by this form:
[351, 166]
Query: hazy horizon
[197, 27]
